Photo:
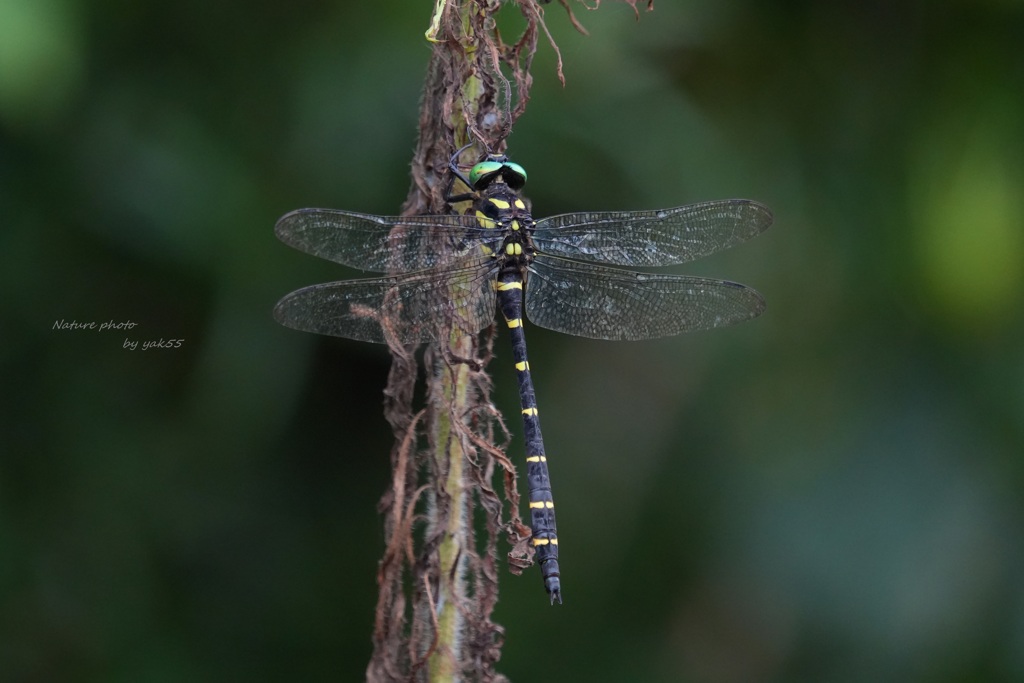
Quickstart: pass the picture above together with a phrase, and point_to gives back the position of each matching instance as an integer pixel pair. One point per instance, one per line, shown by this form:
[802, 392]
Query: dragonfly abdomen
[542, 507]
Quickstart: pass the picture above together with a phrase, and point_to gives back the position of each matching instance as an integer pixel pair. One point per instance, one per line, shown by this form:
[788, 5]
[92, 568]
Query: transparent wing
[391, 244]
[652, 238]
[606, 303]
[412, 308]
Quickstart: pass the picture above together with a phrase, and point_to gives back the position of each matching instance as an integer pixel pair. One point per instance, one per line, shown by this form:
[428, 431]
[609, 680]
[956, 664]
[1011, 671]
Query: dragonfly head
[495, 166]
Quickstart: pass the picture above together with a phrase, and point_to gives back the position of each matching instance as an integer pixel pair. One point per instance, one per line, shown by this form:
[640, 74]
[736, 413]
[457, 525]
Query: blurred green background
[833, 492]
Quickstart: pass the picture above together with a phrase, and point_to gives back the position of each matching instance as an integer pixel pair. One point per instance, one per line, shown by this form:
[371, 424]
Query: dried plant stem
[451, 455]
[438, 585]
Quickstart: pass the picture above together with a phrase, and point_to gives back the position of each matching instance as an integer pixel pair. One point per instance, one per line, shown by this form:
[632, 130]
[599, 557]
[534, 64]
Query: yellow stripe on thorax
[505, 286]
[485, 221]
[500, 203]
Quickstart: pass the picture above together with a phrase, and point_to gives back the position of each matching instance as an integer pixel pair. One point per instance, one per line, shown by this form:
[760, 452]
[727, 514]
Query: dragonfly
[444, 273]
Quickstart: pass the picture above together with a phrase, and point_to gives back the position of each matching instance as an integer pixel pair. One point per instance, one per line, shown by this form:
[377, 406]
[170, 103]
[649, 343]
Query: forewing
[410, 308]
[385, 244]
[606, 303]
[652, 238]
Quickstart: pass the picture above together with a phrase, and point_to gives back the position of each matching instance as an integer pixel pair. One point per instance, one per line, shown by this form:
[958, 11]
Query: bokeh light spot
[968, 208]
[40, 59]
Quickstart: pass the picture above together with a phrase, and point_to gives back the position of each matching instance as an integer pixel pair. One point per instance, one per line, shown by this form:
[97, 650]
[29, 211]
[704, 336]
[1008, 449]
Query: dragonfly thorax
[500, 208]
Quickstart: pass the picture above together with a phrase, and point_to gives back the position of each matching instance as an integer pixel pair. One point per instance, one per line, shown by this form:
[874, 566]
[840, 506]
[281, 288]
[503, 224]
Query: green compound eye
[484, 171]
[514, 175]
